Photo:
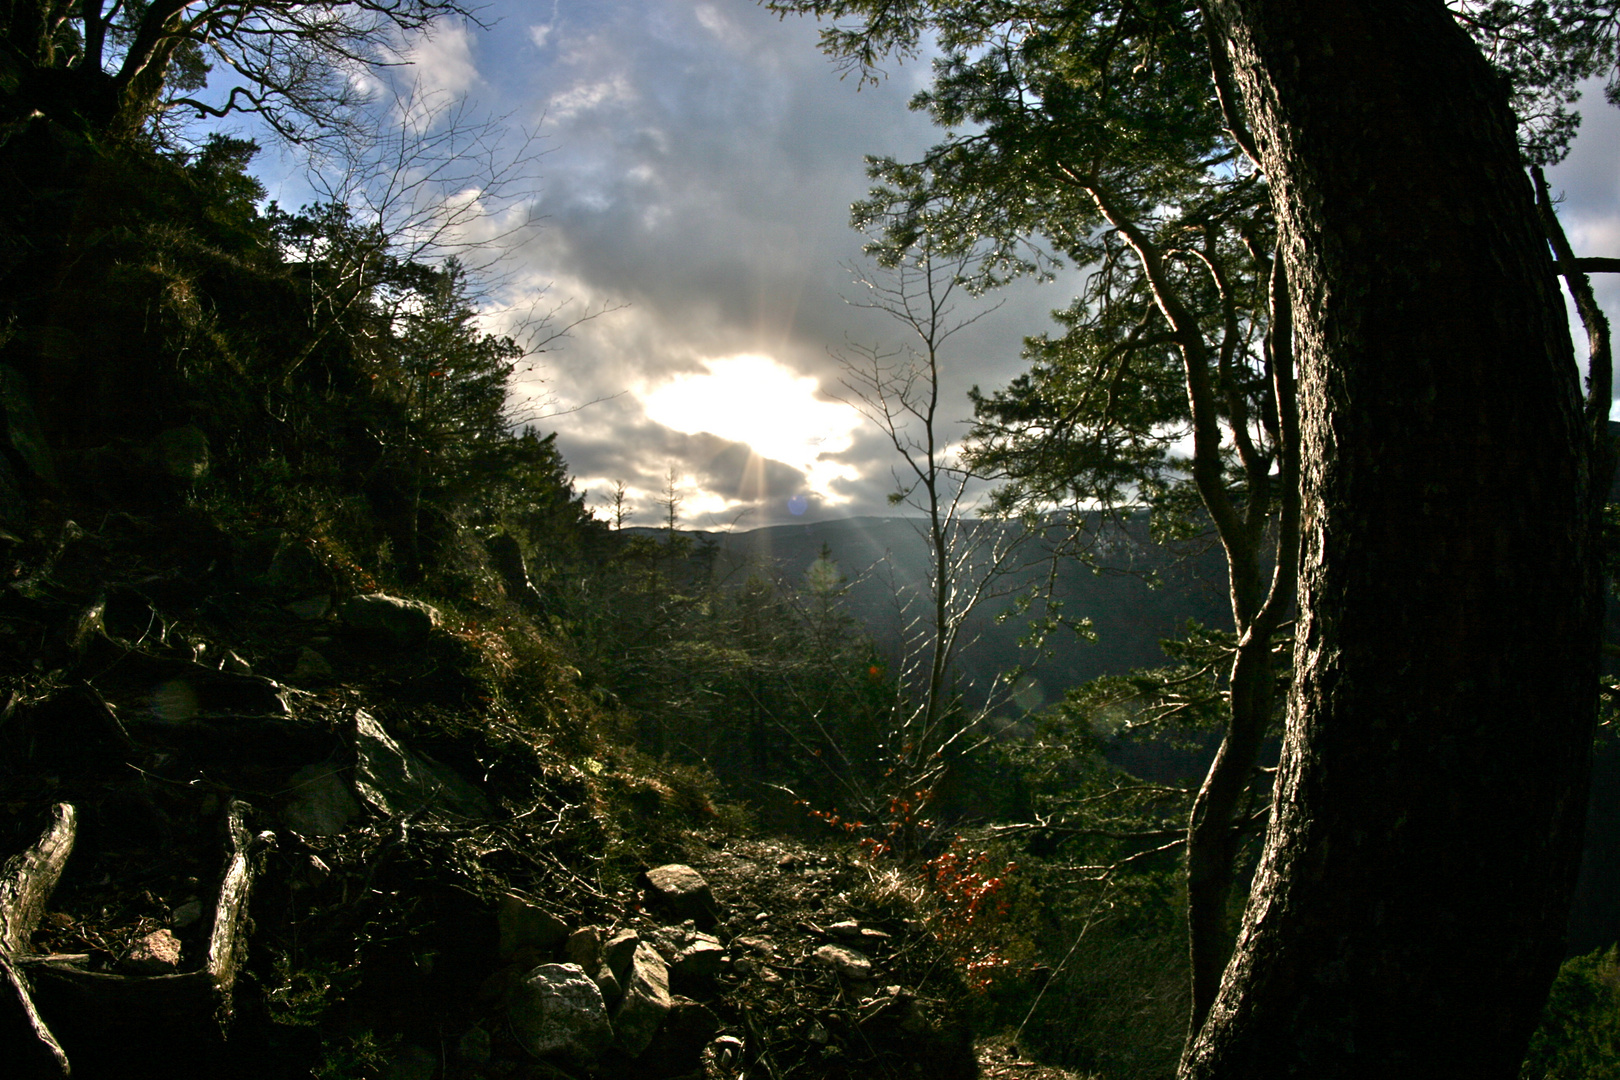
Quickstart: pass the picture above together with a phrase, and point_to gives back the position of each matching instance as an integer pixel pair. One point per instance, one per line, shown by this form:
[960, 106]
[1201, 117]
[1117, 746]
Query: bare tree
[115, 67]
[969, 561]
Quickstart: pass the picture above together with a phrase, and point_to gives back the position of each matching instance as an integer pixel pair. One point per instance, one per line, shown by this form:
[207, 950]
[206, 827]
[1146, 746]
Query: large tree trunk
[1407, 914]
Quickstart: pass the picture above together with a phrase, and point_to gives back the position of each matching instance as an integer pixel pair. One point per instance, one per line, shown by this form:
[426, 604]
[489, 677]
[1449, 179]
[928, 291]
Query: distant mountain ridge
[883, 558]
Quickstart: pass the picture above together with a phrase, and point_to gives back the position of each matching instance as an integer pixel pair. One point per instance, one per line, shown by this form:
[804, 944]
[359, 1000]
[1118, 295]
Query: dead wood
[25, 888]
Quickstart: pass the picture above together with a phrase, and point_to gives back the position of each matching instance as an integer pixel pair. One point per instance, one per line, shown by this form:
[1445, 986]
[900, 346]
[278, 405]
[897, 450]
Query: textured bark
[1407, 914]
[26, 884]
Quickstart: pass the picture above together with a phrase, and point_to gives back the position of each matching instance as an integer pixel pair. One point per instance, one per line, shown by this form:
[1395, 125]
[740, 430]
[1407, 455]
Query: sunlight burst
[755, 400]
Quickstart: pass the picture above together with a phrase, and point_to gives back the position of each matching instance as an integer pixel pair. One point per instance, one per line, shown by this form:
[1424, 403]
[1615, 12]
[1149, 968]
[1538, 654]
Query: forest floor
[408, 848]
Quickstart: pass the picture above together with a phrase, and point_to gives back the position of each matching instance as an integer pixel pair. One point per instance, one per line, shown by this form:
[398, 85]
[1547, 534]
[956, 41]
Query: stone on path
[681, 891]
[846, 961]
[556, 1011]
[158, 953]
[646, 1000]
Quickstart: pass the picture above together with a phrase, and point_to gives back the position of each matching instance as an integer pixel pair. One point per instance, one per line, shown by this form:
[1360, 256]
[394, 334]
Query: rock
[584, 947]
[186, 914]
[524, 927]
[850, 930]
[760, 946]
[645, 1001]
[668, 940]
[846, 961]
[682, 892]
[701, 958]
[311, 667]
[608, 983]
[181, 454]
[618, 951]
[321, 804]
[556, 1011]
[688, 1027]
[391, 620]
[396, 781]
[158, 953]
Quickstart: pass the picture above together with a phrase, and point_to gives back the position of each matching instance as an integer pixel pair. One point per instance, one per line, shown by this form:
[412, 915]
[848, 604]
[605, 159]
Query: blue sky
[698, 159]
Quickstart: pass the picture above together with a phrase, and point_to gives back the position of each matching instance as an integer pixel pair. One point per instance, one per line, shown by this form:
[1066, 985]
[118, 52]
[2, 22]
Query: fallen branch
[25, 889]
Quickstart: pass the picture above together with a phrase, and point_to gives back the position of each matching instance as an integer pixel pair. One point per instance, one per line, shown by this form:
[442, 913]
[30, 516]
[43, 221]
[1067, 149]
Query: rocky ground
[270, 823]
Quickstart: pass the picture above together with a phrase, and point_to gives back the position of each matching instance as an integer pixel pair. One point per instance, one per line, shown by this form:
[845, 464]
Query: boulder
[321, 802]
[646, 1000]
[556, 1011]
[396, 781]
[687, 1029]
[526, 928]
[608, 983]
[682, 892]
[619, 951]
[584, 947]
[389, 620]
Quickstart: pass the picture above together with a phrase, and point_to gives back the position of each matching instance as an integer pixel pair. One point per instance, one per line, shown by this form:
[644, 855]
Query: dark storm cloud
[701, 162]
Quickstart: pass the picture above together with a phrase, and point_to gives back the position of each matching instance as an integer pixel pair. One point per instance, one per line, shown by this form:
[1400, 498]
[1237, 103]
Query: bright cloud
[756, 401]
[587, 96]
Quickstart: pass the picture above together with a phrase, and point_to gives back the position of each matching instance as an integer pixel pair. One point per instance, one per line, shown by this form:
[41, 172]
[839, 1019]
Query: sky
[688, 196]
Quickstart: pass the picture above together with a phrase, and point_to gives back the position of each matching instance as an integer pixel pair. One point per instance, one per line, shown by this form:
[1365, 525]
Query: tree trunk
[1407, 914]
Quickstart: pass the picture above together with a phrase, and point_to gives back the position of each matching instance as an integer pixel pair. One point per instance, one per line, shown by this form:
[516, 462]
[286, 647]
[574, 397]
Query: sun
[755, 400]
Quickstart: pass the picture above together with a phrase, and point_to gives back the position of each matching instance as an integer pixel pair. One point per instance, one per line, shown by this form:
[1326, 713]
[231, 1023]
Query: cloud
[430, 71]
[702, 161]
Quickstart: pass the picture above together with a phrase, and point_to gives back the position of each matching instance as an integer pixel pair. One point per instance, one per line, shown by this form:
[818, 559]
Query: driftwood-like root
[196, 1001]
[25, 888]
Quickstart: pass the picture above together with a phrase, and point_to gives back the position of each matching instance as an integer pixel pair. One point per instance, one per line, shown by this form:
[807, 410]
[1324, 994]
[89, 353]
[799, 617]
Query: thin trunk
[1407, 913]
[1599, 344]
[1212, 836]
[1212, 840]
